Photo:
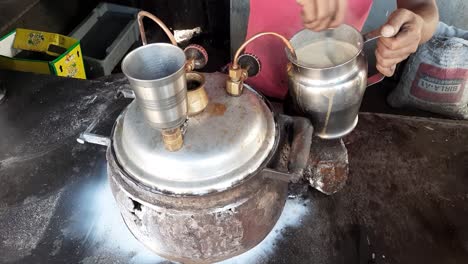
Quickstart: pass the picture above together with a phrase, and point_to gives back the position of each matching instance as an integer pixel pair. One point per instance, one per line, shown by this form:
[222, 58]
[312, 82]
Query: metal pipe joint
[237, 74]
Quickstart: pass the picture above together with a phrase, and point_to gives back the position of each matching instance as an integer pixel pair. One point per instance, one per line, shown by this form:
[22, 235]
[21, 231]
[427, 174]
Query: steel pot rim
[181, 69]
[360, 47]
[257, 172]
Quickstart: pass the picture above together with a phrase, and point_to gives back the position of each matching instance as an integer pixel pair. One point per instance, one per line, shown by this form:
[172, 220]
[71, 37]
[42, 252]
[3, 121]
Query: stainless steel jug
[331, 96]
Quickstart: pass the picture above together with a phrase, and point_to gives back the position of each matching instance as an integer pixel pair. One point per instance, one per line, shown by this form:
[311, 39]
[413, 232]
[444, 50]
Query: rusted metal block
[327, 170]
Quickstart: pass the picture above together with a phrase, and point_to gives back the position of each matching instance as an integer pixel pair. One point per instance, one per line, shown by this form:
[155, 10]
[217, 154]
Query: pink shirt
[284, 17]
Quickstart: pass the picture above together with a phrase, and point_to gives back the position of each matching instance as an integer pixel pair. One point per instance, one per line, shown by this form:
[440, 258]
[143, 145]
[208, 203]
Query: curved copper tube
[158, 21]
[235, 64]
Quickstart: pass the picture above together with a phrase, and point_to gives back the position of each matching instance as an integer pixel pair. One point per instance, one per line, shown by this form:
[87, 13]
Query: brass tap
[235, 82]
[172, 138]
[189, 65]
[237, 75]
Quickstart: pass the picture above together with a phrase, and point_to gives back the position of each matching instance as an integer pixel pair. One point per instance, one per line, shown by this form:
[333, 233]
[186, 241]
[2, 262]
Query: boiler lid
[223, 145]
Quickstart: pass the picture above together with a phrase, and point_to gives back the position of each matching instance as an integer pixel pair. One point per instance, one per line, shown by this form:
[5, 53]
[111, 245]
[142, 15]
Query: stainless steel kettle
[330, 97]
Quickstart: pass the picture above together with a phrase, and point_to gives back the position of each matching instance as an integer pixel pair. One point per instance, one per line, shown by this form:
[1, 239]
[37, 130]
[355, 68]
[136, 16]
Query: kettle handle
[370, 36]
[302, 139]
[376, 78]
[87, 137]
[302, 131]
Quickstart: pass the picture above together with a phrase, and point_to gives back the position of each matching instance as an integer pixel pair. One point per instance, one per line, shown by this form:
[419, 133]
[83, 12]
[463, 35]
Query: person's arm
[427, 10]
[413, 23]
[318, 15]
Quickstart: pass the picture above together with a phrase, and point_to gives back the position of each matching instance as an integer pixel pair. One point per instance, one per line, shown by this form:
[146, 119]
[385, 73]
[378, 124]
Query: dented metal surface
[199, 229]
[191, 213]
[221, 221]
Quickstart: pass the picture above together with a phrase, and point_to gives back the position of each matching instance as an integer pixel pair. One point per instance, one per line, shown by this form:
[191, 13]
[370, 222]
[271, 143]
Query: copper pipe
[235, 64]
[158, 21]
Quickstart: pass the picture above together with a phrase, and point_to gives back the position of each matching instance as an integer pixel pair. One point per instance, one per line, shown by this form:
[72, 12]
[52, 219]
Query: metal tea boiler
[215, 195]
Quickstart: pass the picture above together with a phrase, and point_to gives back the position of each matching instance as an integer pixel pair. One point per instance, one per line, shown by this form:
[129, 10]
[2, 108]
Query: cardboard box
[61, 55]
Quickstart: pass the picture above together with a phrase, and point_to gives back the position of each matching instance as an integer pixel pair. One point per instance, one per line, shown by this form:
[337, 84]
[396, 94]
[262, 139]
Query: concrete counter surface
[405, 200]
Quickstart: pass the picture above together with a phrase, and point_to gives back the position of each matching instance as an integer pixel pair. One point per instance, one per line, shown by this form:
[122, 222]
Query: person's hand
[318, 15]
[401, 36]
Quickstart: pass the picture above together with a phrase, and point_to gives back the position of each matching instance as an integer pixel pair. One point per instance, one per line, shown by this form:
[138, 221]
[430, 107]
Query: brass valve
[239, 73]
[196, 57]
[235, 82]
[189, 65]
[172, 138]
[248, 66]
